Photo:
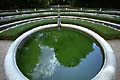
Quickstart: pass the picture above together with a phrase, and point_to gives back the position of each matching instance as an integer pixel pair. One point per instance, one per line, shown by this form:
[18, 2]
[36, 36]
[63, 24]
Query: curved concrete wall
[107, 72]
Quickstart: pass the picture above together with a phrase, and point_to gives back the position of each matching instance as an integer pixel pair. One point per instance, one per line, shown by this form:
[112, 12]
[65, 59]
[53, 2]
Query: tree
[13, 4]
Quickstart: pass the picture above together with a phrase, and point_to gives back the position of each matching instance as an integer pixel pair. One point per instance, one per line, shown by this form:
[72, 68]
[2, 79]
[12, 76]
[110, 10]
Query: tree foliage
[12, 4]
[96, 3]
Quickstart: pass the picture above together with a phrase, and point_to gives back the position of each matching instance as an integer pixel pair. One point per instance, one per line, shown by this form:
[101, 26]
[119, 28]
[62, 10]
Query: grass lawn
[24, 17]
[104, 31]
[13, 33]
[114, 20]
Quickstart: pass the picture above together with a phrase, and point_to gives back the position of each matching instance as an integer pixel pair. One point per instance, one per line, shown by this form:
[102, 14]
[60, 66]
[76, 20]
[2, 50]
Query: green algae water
[65, 54]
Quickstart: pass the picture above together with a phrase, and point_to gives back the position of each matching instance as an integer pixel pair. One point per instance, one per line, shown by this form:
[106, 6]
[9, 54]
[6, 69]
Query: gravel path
[4, 45]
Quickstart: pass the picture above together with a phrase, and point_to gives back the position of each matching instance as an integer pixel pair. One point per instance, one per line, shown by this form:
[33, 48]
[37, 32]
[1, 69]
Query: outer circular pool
[69, 53]
[59, 54]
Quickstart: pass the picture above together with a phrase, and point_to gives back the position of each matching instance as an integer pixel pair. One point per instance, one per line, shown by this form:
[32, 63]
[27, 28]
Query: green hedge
[114, 20]
[86, 11]
[20, 13]
[104, 31]
[13, 33]
[23, 18]
[62, 10]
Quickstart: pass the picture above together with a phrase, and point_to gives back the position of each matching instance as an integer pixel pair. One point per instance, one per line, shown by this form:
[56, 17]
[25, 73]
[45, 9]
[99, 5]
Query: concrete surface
[4, 45]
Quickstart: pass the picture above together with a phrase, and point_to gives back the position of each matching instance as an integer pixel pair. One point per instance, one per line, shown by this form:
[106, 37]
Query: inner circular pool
[59, 54]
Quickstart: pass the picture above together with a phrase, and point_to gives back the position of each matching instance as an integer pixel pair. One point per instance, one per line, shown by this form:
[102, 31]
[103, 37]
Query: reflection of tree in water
[70, 45]
[49, 67]
[71, 56]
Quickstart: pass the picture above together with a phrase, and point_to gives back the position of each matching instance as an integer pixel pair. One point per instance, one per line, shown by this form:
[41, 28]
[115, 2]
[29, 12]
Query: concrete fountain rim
[109, 67]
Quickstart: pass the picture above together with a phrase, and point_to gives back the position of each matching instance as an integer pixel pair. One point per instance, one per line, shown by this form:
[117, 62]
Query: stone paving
[115, 44]
[4, 45]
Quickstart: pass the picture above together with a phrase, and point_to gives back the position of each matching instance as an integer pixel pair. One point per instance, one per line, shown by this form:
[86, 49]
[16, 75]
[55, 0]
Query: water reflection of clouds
[49, 68]
[47, 63]
[86, 70]
[90, 65]
[92, 55]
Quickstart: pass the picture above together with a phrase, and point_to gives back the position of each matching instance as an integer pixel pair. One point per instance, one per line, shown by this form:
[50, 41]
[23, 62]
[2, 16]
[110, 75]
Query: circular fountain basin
[69, 53]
